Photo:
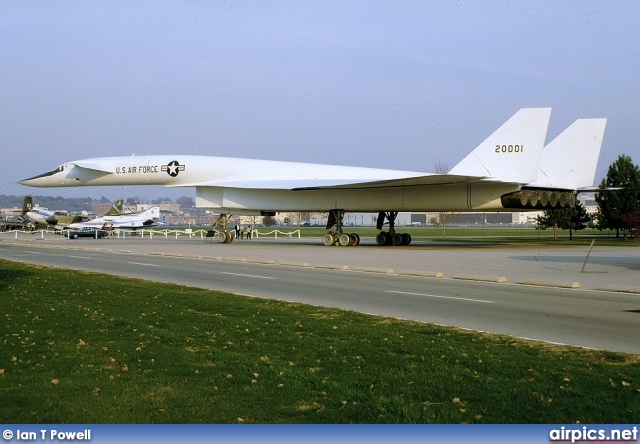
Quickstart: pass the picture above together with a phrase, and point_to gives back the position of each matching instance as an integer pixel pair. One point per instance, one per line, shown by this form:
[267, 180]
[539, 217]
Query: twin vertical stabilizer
[570, 160]
[513, 152]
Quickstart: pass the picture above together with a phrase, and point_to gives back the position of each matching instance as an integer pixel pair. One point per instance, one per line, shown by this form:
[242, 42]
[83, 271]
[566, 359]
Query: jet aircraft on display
[140, 219]
[511, 170]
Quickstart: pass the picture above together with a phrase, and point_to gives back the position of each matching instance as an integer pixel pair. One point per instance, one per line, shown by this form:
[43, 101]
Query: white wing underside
[310, 184]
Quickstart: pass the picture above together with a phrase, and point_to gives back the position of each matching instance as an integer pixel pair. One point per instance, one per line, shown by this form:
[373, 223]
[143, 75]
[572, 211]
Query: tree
[269, 221]
[632, 221]
[568, 218]
[185, 202]
[161, 200]
[613, 206]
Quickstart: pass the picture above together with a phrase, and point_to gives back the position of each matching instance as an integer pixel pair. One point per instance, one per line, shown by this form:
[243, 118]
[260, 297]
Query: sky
[401, 85]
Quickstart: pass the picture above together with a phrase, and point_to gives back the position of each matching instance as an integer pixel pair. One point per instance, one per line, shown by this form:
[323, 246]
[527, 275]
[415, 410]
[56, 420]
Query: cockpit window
[50, 173]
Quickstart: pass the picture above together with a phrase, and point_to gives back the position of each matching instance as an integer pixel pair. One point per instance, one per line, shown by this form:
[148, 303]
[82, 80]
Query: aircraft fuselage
[251, 186]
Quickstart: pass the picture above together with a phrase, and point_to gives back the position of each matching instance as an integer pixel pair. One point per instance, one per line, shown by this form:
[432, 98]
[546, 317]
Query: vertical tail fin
[116, 209]
[27, 205]
[570, 160]
[151, 213]
[513, 152]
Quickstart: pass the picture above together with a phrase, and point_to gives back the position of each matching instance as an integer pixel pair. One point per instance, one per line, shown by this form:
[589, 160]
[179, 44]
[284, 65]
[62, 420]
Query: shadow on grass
[10, 273]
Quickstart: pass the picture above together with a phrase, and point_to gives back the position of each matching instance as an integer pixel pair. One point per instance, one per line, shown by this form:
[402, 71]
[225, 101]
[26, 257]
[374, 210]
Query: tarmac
[600, 268]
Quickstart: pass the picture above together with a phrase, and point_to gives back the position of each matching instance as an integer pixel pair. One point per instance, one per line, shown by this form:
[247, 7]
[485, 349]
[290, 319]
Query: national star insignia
[172, 168]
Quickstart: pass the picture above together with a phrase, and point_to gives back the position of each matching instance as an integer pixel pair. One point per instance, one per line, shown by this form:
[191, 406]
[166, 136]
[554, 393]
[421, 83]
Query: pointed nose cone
[27, 182]
[41, 180]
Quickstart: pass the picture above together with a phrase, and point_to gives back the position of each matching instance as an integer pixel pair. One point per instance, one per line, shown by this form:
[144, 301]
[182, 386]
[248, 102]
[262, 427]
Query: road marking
[247, 275]
[33, 252]
[146, 265]
[440, 297]
[80, 257]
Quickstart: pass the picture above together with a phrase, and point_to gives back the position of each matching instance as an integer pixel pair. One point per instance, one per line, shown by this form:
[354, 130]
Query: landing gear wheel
[396, 239]
[406, 238]
[328, 239]
[335, 235]
[381, 239]
[344, 239]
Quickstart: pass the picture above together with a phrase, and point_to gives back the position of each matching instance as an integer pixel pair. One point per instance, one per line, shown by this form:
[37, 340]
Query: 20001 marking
[509, 148]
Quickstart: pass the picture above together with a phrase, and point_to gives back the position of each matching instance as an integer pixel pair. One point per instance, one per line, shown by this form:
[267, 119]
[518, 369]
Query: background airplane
[36, 217]
[501, 173]
[142, 219]
[45, 218]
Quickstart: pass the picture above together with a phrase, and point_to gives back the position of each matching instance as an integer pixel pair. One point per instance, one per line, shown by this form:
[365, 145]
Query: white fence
[150, 233]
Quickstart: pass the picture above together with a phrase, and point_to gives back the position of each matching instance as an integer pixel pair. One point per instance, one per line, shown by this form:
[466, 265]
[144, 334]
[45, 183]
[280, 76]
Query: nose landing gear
[224, 235]
[337, 236]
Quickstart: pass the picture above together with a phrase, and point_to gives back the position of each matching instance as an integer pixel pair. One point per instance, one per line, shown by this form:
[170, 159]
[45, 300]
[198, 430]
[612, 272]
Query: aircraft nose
[40, 179]
[25, 182]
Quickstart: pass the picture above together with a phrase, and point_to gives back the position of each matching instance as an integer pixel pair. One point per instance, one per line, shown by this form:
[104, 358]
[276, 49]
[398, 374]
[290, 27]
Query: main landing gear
[337, 236]
[223, 234]
[390, 237]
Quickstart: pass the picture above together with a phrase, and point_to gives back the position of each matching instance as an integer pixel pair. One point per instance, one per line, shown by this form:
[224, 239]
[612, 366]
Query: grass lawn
[89, 348]
[491, 233]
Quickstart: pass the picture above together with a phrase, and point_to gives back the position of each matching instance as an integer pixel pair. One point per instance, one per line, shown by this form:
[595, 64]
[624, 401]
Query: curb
[429, 274]
[333, 267]
[375, 270]
[166, 254]
[619, 290]
[550, 284]
[296, 264]
[466, 277]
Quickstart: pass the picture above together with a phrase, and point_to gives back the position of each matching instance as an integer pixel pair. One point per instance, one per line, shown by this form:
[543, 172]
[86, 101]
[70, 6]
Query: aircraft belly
[433, 198]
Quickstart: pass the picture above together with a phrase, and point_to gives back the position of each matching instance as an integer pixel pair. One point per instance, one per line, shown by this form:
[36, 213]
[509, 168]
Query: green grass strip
[82, 347]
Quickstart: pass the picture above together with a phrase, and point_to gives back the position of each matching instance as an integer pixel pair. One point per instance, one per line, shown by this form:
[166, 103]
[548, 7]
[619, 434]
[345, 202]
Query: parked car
[87, 232]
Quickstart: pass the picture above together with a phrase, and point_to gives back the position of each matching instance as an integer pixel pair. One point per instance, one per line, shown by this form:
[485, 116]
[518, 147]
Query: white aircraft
[130, 220]
[39, 216]
[502, 173]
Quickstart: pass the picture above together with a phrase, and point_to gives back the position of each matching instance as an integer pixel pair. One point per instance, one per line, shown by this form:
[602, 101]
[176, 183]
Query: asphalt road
[586, 318]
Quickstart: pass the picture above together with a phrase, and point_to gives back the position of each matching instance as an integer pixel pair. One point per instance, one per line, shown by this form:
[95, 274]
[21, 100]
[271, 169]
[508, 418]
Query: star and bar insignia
[173, 168]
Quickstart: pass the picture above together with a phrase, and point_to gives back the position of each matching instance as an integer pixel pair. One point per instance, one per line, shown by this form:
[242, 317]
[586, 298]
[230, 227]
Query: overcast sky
[401, 85]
